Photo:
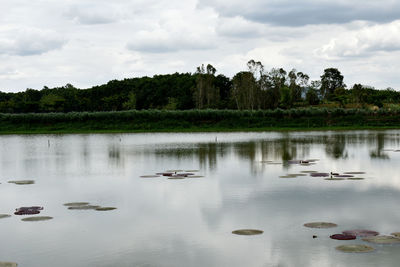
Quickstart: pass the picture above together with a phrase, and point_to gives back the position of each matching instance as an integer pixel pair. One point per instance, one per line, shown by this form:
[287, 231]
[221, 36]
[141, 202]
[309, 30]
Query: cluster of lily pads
[86, 206]
[28, 211]
[333, 176]
[175, 174]
[365, 235]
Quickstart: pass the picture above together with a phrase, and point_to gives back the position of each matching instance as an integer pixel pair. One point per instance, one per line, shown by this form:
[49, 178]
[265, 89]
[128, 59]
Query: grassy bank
[199, 120]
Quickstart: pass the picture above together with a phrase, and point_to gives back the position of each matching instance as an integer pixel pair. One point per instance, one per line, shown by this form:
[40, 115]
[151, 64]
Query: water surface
[161, 222]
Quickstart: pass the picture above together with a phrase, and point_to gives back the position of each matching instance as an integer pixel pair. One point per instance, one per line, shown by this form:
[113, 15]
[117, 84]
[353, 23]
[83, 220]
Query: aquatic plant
[343, 237]
[288, 176]
[360, 232]
[195, 176]
[86, 207]
[22, 182]
[174, 171]
[319, 174]
[2, 216]
[247, 232]
[308, 171]
[149, 176]
[176, 177]
[192, 170]
[334, 179]
[382, 239]
[354, 172]
[75, 204]
[344, 176]
[36, 218]
[105, 208]
[355, 178]
[355, 248]
[320, 225]
[28, 210]
[8, 264]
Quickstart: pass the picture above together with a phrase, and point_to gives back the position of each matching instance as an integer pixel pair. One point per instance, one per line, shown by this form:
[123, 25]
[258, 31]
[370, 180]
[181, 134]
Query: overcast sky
[89, 42]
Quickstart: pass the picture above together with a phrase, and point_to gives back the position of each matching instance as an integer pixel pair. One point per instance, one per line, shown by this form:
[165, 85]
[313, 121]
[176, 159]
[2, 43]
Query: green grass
[199, 121]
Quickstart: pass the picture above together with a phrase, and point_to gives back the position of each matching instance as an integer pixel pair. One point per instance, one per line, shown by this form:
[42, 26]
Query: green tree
[131, 102]
[330, 80]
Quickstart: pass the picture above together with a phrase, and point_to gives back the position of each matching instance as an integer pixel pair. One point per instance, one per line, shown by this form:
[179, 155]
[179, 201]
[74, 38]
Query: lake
[189, 222]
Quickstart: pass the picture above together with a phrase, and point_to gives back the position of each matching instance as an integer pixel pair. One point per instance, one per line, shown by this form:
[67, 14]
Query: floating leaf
[382, 239]
[320, 225]
[195, 176]
[319, 174]
[86, 207]
[149, 176]
[8, 264]
[288, 176]
[105, 208]
[22, 182]
[76, 204]
[165, 173]
[36, 218]
[396, 234]
[192, 170]
[297, 174]
[355, 178]
[28, 210]
[2, 216]
[176, 177]
[312, 160]
[360, 232]
[343, 237]
[354, 172]
[344, 176]
[355, 248]
[247, 232]
[334, 179]
[308, 171]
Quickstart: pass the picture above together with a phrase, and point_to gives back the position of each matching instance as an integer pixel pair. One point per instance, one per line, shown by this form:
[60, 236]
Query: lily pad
[86, 207]
[165, 173]
[2, 216]
[354, 172]
[195, 176]
[360, 232]
[396, 234]
[343, 237]
[382, 239]
[36, 218]
[8, 264]
[344, 176]
[28, 210]
[176, 178]
[355, 248]
[308, 171]
[149, 176]
[22, 182]
[174, 171]
[288, 176]
[192, 170]
[334, 179]
[355, 178]
[76, 204]
[105, 208]
[312, 160]
[247, 232]
[297, 174]
[320, 225]
[319, 174]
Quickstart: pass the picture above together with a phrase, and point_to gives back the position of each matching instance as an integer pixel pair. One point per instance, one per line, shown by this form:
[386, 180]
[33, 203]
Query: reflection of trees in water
[335, 146]
[378, 153]
[114, 155]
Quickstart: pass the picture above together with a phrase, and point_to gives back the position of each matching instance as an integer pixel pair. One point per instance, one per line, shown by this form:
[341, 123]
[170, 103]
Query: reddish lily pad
[360, 232]
[343, 237]
[319, 174]
[247, 232]
[382, 239]
[165, 173]
[28, 210]
[355, 248]
[320, 225]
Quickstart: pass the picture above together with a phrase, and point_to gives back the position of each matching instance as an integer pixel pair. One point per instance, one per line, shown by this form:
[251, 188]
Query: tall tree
[330, 81]
[206, 94]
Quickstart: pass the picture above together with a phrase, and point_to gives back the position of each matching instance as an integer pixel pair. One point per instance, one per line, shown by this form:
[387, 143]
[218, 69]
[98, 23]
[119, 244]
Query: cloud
[28, 41]
[304, 12]
[90, 15]
[363, 43]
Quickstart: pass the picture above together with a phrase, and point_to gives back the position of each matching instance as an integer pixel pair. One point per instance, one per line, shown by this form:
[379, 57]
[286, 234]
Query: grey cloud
[90, 15]
[304, 12]
[28, 41]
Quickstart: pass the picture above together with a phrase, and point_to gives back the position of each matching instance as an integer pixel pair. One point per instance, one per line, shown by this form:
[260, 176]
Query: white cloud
[28, 41]
[365, 42]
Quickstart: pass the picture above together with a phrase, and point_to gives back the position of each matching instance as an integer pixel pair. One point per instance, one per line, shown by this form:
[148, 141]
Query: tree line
[252, 89]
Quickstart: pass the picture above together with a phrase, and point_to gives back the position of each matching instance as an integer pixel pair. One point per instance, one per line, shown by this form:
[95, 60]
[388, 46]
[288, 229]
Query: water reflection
[160, 222]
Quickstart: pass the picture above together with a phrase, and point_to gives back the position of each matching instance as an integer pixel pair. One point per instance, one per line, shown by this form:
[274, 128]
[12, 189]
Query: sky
[89, 42]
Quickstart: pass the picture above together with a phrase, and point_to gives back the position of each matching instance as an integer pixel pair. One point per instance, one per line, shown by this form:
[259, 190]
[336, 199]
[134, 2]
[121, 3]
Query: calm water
[161, 222]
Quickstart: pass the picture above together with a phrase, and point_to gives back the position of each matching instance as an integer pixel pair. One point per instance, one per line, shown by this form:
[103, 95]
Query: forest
[253, 89]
